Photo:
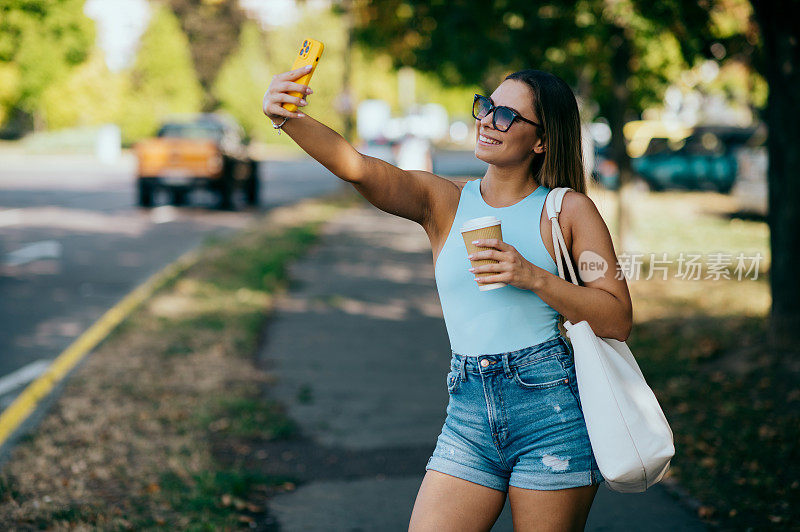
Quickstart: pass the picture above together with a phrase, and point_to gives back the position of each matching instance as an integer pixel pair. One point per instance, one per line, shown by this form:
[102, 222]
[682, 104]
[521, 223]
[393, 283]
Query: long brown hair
[561, 165]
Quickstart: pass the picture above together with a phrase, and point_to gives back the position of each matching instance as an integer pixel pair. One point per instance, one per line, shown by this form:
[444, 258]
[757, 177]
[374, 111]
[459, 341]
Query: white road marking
[44, 249]
[10, 217]
[162, 214]
[24, 375]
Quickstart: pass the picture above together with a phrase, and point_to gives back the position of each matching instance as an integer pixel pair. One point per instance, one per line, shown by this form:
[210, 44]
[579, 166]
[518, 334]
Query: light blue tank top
[503, 319]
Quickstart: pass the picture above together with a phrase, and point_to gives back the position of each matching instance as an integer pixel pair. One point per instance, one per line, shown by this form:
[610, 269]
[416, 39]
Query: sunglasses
[503, 116]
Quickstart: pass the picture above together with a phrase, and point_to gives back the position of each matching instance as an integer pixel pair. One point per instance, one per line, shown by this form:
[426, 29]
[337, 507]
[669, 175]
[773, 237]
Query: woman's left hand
[512, 268]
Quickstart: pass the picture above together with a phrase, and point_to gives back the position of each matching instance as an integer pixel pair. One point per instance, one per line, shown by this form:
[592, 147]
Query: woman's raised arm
[405, 193]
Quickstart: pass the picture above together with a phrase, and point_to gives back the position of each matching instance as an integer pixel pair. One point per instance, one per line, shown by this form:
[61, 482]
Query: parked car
[205, 150]
[605, 170]
[704, 160]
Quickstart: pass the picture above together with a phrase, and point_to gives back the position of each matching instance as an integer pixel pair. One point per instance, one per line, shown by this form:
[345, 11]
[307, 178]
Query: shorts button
[484, 362]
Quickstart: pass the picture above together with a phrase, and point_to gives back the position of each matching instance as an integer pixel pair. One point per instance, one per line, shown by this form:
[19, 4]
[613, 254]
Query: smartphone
[310, 52]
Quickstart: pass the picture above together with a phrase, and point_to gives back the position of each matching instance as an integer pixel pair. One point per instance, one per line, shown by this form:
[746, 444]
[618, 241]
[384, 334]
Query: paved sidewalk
[359, 351]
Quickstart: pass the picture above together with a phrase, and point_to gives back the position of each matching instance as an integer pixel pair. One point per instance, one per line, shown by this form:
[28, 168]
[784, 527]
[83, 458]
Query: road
[73, 243]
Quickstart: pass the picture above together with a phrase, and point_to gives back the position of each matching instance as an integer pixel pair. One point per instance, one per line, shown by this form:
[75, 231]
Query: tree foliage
[40, 42]
[467, 43]
[89, 95]
[248, 72]
[620, 55]
[162, 79]
[242, 80]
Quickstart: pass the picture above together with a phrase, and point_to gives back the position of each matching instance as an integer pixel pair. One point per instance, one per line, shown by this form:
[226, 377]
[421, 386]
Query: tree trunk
[620, 71]
[39, 122]
[781, 37]
[349, 122]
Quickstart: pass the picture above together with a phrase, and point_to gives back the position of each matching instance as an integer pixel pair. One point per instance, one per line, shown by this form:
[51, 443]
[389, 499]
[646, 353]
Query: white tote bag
[631, 439]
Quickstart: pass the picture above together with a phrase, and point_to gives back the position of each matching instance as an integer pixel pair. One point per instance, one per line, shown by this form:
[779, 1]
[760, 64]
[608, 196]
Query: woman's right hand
[277, 93]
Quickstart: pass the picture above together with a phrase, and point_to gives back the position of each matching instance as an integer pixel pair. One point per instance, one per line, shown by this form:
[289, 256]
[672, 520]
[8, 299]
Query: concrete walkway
[360, 352]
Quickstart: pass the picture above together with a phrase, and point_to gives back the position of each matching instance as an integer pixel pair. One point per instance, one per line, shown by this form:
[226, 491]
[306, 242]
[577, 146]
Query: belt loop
[464, 368]
[506, 365]
[566, 344]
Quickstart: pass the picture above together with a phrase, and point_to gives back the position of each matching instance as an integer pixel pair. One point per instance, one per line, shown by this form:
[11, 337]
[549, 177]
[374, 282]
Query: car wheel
[145, 193]
[252, 186]
[225, 189]
[179, 196]
[655, 187]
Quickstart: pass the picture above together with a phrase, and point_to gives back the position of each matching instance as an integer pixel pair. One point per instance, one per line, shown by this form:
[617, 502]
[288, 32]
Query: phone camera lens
[305, 43]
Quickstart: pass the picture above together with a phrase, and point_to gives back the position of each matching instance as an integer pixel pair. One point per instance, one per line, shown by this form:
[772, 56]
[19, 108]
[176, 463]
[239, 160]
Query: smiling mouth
[486, 140]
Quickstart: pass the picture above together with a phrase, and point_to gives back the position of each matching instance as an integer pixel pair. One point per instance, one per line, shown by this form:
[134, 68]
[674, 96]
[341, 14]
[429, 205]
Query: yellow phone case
[310, 52]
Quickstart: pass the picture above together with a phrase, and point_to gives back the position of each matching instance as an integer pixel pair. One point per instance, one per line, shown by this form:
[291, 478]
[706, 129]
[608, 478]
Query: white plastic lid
[479, 223]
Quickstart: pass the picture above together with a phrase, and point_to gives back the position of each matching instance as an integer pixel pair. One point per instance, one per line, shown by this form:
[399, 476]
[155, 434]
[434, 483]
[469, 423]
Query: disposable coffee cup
[480, 228]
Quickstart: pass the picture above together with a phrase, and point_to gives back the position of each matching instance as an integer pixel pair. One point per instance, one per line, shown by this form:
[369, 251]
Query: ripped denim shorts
[515, 418]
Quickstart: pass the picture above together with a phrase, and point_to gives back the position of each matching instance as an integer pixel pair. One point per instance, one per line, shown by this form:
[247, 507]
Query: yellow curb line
[18, 411]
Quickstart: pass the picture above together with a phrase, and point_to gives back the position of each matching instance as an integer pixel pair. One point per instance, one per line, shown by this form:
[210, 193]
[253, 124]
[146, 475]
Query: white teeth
[488, 140]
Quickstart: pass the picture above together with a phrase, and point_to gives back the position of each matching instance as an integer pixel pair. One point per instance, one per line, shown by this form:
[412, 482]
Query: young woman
[514, 421]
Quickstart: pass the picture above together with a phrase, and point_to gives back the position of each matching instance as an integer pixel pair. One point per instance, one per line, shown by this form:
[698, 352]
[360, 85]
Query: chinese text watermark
[688, 266]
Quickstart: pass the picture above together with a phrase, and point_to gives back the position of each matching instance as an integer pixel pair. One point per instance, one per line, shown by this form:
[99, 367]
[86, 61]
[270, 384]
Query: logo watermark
[718, 265]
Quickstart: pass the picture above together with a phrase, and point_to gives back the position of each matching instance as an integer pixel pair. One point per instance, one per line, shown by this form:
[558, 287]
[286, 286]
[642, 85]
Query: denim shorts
[515, 419]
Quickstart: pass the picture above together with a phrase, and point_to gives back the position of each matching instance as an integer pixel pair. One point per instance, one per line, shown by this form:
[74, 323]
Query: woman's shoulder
[575, 202]
[576, 206]
[461, 182]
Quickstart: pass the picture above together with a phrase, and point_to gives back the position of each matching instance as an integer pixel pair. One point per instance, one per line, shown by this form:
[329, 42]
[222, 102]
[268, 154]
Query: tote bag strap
[553, 205]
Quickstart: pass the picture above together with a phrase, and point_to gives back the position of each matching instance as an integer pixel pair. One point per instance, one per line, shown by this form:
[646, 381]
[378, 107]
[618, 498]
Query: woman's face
[520, 143]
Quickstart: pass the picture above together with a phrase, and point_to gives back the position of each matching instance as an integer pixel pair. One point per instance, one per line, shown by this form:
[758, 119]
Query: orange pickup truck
[204, 150]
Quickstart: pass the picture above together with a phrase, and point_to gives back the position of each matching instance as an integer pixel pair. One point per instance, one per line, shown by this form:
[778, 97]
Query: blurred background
[669, 98]
[132, 129]
[96, 77]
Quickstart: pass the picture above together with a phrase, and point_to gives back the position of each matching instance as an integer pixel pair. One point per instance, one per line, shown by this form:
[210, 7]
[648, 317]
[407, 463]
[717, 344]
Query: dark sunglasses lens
[480, 107]
[503, 118]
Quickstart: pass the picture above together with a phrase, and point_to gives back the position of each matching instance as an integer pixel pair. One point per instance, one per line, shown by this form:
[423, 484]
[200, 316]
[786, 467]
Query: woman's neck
[500, 186]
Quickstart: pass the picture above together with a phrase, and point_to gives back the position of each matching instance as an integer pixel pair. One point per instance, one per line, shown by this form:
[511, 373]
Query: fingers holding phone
[288, 90]
[282, 90]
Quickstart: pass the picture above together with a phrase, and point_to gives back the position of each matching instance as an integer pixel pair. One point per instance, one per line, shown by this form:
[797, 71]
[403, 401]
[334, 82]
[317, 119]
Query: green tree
[375, 77]
[40, 42]
[737, 43]
[242, 80]
[89, 95]
[374, 73]
[162, 80]
[248, 71]
[620, 55]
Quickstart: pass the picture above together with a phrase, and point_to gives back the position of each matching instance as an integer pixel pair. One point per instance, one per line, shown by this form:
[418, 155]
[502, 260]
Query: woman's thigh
[447, 503]
[551, 510]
